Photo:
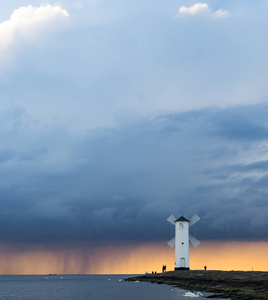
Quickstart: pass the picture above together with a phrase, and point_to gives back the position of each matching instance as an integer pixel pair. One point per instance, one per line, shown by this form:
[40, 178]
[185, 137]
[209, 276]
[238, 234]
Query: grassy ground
[229, 284]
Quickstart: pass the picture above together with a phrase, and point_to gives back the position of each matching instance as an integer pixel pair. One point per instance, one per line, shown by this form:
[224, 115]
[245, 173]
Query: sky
[114, 115]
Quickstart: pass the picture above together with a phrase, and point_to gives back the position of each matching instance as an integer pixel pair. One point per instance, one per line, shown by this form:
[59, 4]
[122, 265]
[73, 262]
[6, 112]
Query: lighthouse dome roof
[182, 219]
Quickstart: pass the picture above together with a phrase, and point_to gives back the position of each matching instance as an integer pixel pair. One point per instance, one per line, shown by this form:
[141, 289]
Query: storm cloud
[121, 183]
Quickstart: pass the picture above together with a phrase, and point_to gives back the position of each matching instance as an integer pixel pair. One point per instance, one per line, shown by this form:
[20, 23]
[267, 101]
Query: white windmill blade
[171, 219]
[171, 243]
[195, 218]
[194, 241]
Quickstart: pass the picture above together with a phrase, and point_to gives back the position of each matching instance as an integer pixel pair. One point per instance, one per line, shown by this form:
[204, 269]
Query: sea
[84, 287]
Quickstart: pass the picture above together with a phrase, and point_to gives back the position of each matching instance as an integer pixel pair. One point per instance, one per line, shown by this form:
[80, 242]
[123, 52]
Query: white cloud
[221, 13]
[195, 9]
[26, 23]
[202, 8]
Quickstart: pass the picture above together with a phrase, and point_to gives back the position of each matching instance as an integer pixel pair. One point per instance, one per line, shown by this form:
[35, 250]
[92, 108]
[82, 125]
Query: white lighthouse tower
[181, 240]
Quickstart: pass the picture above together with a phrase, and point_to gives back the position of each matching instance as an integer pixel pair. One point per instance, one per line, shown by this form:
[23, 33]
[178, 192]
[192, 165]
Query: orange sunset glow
[130, 259]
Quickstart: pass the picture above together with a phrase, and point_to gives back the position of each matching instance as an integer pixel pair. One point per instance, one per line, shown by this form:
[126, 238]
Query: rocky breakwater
[229, 284]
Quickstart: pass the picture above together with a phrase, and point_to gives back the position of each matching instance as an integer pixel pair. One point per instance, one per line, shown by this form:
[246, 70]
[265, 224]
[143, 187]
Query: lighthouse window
[182, 243]
[181, 225]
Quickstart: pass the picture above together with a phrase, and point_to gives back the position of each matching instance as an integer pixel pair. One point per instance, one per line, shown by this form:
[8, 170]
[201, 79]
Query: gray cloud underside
[122, 183]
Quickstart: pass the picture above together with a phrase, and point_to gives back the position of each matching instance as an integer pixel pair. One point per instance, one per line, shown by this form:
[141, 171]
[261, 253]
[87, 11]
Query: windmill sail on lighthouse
[182, 239]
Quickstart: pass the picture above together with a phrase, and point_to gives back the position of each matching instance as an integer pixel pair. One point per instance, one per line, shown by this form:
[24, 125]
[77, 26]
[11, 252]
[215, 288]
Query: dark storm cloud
[241, 123]
[122, 183]
[235, 128]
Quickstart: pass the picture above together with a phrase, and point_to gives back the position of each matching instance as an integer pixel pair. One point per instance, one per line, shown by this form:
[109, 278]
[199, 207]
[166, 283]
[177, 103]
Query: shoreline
[244, 285]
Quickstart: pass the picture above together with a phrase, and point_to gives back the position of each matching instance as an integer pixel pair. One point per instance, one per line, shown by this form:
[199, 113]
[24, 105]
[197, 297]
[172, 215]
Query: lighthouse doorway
[182, 262]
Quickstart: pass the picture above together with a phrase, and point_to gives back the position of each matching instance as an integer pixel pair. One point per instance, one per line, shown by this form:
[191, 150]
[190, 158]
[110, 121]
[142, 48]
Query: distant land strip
[224, 284]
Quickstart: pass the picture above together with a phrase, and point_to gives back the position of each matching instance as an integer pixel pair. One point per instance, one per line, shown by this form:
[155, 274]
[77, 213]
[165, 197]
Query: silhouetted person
[205, 267]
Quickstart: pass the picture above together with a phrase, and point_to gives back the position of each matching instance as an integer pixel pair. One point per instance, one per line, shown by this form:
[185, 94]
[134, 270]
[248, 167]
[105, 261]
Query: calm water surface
[80, 287]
